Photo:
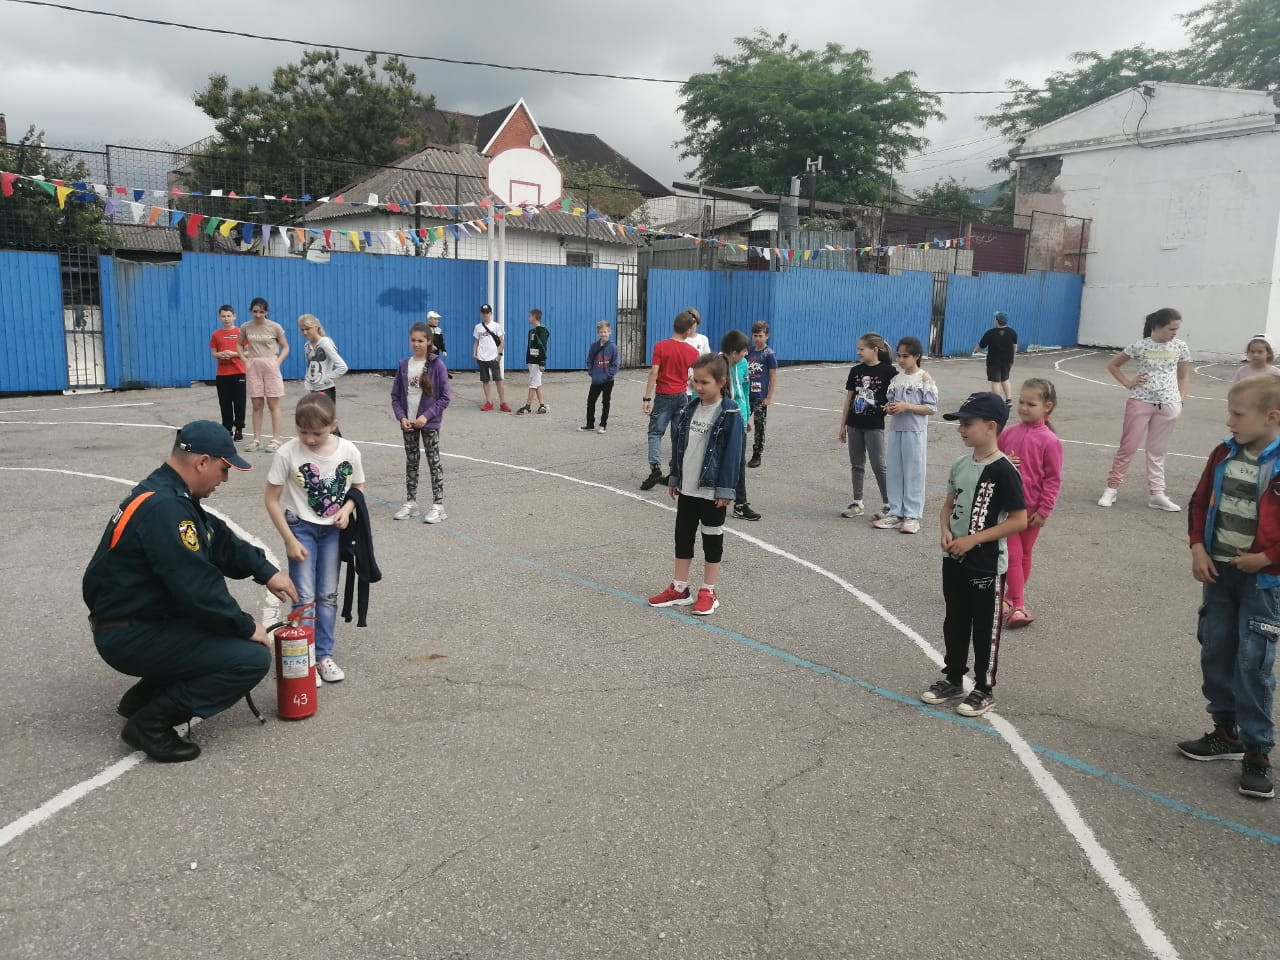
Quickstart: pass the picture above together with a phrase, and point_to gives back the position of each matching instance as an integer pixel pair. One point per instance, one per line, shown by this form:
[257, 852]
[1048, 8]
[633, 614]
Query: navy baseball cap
[211, 439]
[485, 308]
[981, 406]
[1001, 317]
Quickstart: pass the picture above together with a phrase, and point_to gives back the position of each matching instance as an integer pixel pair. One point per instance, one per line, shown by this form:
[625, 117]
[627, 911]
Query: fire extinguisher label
[295, 660]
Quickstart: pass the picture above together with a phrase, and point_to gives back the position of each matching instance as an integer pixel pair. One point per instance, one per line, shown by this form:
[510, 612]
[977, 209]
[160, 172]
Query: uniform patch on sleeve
[187, 534]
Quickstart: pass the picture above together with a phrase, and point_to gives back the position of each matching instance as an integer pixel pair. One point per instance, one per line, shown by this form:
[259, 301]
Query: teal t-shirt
[984, 495]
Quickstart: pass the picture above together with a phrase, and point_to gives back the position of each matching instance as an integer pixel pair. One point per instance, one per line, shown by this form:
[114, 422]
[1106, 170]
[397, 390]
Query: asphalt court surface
[527, 761]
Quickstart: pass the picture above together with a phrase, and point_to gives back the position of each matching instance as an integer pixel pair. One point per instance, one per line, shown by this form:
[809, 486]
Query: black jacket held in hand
[170, 561]
[355, 549]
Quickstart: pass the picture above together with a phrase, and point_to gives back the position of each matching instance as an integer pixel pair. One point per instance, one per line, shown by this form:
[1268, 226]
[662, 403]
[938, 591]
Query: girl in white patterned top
[1155, 401]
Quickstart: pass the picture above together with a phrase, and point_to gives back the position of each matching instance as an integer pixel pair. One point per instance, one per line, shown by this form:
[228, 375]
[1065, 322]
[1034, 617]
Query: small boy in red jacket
[1234, 524]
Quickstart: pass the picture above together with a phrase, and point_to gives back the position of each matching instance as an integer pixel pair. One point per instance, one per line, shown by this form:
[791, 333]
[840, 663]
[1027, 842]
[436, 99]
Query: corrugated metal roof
[127, 236]
[445, 177]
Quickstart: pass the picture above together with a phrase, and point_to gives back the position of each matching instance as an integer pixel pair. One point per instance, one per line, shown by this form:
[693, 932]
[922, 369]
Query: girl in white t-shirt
[1155, 401]
[306, 499]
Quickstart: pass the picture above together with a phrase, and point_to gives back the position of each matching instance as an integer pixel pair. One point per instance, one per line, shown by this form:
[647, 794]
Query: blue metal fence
[35, 354]
[1044, 308]
[813, 315]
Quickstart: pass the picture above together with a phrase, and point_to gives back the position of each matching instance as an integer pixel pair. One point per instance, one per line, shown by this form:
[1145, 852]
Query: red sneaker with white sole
[671, 597]
[706, 603]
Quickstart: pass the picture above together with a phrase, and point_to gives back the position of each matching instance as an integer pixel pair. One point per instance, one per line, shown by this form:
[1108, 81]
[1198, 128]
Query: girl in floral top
[1155, 401]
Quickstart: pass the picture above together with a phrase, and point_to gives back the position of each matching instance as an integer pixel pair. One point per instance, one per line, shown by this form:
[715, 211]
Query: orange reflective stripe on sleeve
[129, 511]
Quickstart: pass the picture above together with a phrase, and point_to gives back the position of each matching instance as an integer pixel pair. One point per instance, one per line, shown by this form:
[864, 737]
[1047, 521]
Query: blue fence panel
[572, 300]
[1059, 320]
[820, 314]
[1044, 308]
[813, 315]
[31, 318]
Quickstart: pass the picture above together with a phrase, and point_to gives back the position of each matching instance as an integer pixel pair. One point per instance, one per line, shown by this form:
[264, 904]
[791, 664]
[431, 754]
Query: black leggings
[692, 511]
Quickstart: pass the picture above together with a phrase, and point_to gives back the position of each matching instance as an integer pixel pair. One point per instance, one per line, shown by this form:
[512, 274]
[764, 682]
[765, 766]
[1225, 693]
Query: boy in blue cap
[984, 505]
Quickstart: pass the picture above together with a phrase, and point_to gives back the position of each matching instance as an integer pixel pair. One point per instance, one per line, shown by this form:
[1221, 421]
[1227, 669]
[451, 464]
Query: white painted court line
[1199, 370]
[67, 797]
[1103, 383]
[1130, 900]
[100, 406]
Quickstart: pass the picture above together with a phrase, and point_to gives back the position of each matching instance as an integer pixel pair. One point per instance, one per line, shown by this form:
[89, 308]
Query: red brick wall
[515, 133]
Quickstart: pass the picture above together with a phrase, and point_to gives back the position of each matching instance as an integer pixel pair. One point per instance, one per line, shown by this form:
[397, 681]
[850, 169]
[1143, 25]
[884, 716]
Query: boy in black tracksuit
[1001, 344]
[984, 505]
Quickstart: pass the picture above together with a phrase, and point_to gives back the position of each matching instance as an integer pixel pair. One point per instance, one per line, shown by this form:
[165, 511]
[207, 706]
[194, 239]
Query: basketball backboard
[521, 175]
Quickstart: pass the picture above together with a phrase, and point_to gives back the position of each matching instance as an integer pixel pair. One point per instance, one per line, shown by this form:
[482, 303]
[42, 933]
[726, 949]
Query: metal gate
[629, 331]
[82, 320]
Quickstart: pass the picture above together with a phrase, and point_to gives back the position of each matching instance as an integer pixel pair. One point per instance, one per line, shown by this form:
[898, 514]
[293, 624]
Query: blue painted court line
[1080, 766]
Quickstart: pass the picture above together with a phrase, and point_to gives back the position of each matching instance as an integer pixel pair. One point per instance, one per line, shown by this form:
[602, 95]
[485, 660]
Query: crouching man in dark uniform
[158, 599]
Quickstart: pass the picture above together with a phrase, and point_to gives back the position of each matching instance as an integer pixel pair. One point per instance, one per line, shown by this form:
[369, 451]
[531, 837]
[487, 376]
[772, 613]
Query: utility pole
[812, 168]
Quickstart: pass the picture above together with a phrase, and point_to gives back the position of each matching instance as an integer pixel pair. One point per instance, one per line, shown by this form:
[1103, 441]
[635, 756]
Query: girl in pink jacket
[1036, 451]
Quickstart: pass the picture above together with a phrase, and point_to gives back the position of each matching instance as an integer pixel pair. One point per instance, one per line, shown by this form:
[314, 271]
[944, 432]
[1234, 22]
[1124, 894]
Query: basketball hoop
[524, 176]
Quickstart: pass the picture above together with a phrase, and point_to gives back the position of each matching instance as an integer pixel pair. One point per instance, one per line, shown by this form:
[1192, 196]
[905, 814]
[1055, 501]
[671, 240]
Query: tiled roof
[444, 177]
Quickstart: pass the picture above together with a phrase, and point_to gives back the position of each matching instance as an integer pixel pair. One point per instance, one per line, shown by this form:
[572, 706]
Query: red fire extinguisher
[296, 666]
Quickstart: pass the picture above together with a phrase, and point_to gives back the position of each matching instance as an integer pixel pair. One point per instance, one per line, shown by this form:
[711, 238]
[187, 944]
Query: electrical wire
[457, 62]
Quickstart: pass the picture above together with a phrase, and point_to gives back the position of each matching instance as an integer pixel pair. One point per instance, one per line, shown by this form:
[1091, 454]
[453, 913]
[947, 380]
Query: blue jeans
[905, 472]
[664, 408]
[317, 576]
[1239, 624]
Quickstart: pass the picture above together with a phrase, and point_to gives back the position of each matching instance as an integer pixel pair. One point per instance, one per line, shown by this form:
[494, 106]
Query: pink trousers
[1020, 546]
[1150, 421]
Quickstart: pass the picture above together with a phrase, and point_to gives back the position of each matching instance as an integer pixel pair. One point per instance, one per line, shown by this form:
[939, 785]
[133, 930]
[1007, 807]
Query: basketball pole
[502, 285]
[492, 224]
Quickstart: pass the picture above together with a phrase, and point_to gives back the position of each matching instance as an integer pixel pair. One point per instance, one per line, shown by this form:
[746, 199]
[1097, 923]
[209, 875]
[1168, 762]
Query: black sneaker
[1217, 744]
[976, 703]
[942, 691]
[588, 428]
[652, 479]
[754, 461]
[238, 435]
[743, 511]
[1255, 776]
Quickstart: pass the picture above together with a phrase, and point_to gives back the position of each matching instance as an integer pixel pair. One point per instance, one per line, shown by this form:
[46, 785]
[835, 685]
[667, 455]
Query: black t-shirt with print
[869, 383]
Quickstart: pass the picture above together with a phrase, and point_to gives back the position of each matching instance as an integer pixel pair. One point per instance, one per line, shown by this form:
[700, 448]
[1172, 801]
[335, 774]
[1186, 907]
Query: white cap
[432, 315]
[1265, 339]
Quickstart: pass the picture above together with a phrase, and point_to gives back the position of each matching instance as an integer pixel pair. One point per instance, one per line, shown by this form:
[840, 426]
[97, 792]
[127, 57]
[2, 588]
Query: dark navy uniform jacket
[170, 560]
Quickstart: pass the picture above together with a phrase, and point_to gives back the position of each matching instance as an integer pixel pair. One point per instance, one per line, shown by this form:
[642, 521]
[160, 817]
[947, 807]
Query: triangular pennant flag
[215, 193]
[138, 195]
[193, 223]
[121, 190]
[246, 232]
[135, 210]
[46, 186]
[109, 207]
[401, 237]
[339, 199]
[154, 215]
[284, 235]
[301, 236]
[100, 189]
[367, 239]
[6, 184]
[225, 228]
[355, 239]
[328, 238]
[211, 226]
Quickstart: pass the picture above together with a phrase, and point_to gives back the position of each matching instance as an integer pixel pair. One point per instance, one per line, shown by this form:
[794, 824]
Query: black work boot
[151, 731]
[652, 479]
[138, 696]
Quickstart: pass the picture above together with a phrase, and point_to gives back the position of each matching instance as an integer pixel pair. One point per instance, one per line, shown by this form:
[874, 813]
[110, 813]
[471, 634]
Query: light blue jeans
[664, 408]
[317, 576]
[1239, 625]
[905, 472]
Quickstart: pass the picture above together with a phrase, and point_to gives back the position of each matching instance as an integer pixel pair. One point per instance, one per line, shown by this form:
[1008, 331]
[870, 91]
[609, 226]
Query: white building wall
[1194, 225]
[523, 246]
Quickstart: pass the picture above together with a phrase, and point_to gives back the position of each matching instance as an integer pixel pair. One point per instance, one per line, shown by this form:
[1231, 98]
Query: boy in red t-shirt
[225, 347]
[665, 388]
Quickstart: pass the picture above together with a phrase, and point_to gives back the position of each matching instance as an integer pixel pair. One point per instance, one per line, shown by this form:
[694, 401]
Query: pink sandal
[1019, 618]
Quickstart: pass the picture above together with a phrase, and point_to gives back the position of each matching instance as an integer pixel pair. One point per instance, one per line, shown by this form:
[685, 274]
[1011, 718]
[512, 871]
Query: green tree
[1235, 43]
[1065, 91]
[764, 110]
[603, 188]
[949, 198]
[31, 219]
[353, 116]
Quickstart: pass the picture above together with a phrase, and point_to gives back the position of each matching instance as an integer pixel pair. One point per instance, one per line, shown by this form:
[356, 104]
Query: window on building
[578, 258]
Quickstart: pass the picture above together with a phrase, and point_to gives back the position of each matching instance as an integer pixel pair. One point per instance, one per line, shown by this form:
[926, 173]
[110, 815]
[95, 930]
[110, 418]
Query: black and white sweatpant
[973, 618]
[430, 440]
[692, 512]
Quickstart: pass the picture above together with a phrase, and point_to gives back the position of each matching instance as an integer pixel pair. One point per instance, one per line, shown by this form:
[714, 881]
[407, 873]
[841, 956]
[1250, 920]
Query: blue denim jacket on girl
[724, 448]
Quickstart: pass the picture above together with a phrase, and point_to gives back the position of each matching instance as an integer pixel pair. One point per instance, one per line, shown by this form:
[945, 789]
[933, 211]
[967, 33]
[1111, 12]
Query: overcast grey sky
[89, 80]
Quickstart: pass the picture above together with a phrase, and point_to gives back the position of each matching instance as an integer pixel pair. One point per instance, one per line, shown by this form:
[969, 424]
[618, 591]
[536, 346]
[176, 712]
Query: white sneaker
[887, 523]
[319, 680]
[407, 511]
[1158, 501]
[910, 525]
[252, 445]
[328, 671]
[854, 509]
[600, 429]
[1108, 497]
[435, 514]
